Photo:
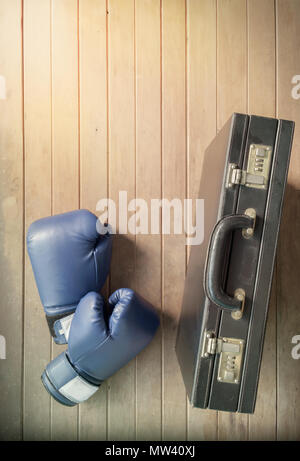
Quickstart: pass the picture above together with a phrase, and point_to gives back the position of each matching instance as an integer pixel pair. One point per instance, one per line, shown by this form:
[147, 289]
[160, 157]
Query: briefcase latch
[258, 168]
[231, 354]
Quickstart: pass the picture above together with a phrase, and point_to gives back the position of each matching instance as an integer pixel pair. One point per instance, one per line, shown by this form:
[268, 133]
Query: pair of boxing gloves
[70, 261]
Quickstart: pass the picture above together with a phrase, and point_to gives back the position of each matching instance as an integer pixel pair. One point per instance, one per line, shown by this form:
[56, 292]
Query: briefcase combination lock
[231, 355]
[258, 168]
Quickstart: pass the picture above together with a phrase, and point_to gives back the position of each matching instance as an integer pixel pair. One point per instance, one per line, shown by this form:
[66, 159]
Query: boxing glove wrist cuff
[63, 382]
[59, 326]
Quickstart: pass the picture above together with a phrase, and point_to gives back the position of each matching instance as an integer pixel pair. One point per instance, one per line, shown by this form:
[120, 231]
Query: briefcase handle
[213, 280]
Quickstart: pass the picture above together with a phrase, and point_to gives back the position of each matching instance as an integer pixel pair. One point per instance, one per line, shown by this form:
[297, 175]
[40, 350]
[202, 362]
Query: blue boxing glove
[69, 259]
[100, 346]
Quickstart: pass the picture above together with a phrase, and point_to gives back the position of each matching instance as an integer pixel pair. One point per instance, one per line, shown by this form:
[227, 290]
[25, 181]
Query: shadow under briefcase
[227, 288]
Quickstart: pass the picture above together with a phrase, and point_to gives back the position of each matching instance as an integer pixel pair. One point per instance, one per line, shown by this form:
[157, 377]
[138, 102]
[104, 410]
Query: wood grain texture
[148, 186]
[11, 229]
[103, 96]
[65, 160]
[121, 100]
[37, 129]
[231, 59]
[288, 415]
[201, 129]
[262, 101]
[288, 369]
[173, 186]
[288, 57]
[231, 97]
[93, 159]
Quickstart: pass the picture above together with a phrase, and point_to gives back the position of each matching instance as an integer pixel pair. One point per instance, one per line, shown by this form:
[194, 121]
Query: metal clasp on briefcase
[258, 168]
[231, 354]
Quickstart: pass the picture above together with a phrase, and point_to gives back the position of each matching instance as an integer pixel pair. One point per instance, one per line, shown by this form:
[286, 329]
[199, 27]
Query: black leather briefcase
[222, 324]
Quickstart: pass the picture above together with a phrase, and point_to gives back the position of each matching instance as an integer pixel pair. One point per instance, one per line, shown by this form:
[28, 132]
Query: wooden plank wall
[103, 96]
